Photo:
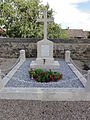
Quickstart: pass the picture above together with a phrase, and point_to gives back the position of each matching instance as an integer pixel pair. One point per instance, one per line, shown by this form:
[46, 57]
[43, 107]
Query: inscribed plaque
[45, 50]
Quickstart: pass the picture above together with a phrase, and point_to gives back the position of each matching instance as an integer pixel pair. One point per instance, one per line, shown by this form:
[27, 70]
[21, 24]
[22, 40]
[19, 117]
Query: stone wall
[10, 47]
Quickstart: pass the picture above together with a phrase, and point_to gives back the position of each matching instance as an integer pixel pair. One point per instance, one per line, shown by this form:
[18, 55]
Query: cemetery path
[38, 110]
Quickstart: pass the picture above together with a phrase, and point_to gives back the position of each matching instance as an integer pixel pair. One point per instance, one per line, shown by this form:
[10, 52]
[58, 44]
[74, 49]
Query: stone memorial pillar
[22, 56]
[67, 56]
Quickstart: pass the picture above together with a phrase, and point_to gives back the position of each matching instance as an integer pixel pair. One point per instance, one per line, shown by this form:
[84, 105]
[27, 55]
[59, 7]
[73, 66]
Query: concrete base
[55, 66]
[48, 94]
[48, 61]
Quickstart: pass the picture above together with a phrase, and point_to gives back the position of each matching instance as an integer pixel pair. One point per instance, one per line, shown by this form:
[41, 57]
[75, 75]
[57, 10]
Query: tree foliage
[19, 18]
[88, 34]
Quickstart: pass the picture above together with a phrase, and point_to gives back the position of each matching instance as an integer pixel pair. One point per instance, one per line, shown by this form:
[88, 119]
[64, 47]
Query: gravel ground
[37, 110]
[21, 78]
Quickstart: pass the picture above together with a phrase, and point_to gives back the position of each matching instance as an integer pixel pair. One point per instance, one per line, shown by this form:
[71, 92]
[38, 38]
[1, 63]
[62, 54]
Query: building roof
[76, 33]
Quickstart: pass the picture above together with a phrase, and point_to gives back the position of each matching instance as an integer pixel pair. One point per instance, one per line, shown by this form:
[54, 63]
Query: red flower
[58, 78]
[53, 77]
[50, 76]
[41, 74]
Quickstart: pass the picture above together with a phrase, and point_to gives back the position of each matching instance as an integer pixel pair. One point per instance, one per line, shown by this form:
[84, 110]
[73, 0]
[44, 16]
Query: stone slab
[54, 66]
[45, 49]
[45, 94]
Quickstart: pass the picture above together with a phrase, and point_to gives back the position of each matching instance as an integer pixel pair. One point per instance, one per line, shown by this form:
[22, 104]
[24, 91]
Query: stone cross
[45, 20]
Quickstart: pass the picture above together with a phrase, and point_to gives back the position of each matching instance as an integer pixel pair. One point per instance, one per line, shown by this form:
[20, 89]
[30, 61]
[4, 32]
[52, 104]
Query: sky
[74, 14]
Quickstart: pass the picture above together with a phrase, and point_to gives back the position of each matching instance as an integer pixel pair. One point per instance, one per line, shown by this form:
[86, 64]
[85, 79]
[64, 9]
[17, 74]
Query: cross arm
[50, 20]
[40, 20]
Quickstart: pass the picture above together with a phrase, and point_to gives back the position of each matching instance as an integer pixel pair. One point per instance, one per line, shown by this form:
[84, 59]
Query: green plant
[19, 18]
[41, 75]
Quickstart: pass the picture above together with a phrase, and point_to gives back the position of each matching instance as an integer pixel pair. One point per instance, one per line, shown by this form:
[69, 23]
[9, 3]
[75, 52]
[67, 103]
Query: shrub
[41, 75]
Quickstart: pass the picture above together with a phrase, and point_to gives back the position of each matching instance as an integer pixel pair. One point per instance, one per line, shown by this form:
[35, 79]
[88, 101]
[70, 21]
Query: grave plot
[18, 85]
[21, 78]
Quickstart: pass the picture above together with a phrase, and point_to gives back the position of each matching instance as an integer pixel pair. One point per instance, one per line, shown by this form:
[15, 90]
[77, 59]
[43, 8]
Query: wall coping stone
[35, 40]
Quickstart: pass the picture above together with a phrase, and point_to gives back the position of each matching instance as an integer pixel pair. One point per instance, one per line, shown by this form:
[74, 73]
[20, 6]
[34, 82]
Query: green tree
[19, 18]
[6, 15]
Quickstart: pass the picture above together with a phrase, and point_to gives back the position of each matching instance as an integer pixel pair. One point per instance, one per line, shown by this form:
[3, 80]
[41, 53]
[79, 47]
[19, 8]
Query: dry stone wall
[10, 47]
